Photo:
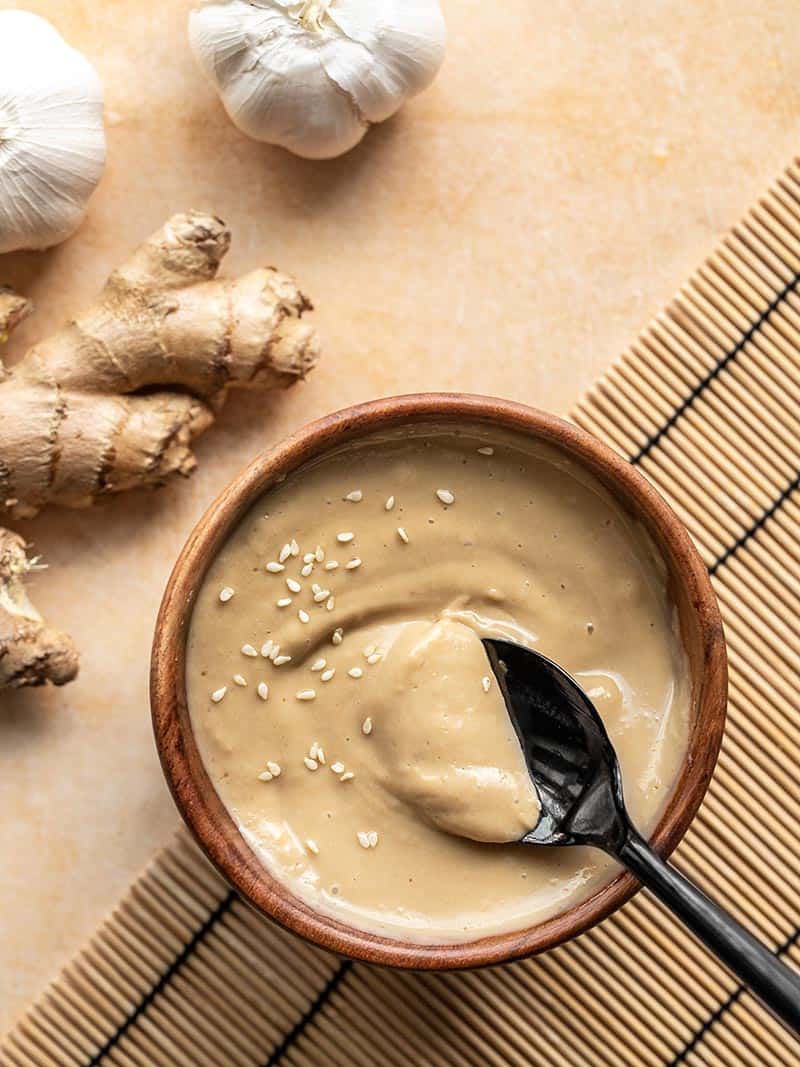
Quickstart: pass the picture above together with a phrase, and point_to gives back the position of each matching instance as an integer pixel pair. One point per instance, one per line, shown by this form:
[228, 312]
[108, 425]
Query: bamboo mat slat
[706, 403]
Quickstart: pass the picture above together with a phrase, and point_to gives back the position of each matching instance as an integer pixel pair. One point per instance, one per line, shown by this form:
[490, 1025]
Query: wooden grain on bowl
[688, 586]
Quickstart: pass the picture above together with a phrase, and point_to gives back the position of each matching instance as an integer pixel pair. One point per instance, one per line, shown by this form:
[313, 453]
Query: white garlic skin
[315, 86]
[52, 143]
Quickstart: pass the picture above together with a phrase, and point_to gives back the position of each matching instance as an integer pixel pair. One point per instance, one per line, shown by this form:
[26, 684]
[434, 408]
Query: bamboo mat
[707, 404]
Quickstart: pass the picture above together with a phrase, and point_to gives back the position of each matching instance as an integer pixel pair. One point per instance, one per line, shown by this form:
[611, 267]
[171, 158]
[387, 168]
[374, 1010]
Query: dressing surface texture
[377, 771]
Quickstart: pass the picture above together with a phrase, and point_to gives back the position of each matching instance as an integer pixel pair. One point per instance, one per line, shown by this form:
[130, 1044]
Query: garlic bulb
[313, 75]
[52, 145]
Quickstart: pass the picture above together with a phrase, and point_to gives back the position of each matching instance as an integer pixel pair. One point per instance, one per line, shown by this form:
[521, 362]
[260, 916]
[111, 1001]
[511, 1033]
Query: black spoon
[574, 768]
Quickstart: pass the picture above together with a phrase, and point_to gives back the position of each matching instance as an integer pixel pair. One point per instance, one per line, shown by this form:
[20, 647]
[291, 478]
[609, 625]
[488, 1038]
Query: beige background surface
[507, 233]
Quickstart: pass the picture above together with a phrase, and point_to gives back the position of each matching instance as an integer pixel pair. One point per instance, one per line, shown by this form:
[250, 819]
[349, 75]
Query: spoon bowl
[567, 751]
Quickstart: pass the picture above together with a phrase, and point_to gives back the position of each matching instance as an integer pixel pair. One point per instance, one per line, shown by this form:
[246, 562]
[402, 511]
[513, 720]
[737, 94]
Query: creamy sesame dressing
[359, 740]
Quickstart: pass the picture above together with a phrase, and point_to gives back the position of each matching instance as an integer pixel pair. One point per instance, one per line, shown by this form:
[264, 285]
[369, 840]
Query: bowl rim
[197, 800]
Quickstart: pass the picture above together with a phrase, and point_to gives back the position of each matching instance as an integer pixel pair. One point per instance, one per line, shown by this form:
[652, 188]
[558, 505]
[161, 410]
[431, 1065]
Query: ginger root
[30, 652]
[113, 400]
[13, 309]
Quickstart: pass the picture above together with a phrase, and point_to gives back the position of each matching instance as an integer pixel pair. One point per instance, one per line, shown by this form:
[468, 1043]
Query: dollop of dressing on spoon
[446, 746]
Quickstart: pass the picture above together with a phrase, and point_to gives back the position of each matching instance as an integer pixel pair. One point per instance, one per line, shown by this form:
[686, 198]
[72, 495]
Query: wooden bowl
[194, 794]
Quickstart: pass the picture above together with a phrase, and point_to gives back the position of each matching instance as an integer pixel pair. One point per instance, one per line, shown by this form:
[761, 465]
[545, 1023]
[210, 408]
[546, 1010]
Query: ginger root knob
[31, 653]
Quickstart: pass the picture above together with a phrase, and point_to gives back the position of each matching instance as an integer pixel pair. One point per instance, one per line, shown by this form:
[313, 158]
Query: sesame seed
[306, 571]
[306, 694]
[327, 675]
[355, 496]
[368, 651]
[312, 846]
[487, 450]
[263, 690]
[319, 553]
[309, 557]
[303, 616]
[352, 564]
[355, 672]
[338, 636]
[239, 679]
[320, 595]
[318, 665]
[317, 752]
[294, 548]
[266, 648]
[265, 776]
[337, 767]
[284, 553]
[218, 694]
[363, 838]
[348, 776]
[248, 650]
[293, 586]
[274, 768]
[226, 594]
[284, 602]
[401, 533]
[345, 538]
[376, 657]
[331, 565]
[486, 682]
[389, 503]
[310, 763]
[275, 652]
[275, 568]
[280, 660]
[366, 726]
[331, 604]
[446, 496]
[373, 838]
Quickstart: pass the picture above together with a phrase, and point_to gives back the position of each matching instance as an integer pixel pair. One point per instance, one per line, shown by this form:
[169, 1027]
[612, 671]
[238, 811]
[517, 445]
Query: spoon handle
[775, 984]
